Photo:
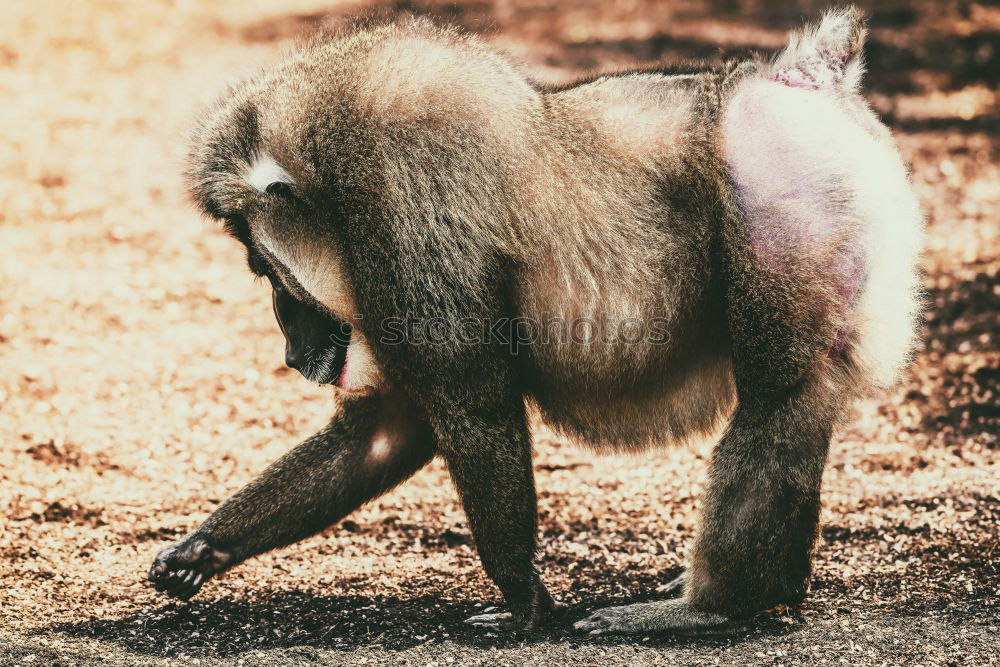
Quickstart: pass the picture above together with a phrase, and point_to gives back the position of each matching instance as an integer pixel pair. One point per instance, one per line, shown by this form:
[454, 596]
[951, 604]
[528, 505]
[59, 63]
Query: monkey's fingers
[181, 569]
[183, 584]
[190, 585]
[492, 621]
[539, 616]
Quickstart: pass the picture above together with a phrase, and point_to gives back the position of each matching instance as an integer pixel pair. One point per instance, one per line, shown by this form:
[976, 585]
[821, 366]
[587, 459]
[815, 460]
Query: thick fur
[757, 213]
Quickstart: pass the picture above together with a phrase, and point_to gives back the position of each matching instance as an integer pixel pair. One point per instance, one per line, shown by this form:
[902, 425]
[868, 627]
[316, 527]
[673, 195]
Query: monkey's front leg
[373, 444]
[489, 458]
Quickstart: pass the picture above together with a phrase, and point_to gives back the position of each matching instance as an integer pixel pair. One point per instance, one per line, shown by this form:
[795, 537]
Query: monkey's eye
[279, 188]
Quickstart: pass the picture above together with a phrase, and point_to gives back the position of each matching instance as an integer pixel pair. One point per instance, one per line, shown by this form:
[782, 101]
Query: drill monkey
[757, 212]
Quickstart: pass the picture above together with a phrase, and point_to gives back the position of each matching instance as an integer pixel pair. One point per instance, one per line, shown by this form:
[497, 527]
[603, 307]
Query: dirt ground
[141, 379]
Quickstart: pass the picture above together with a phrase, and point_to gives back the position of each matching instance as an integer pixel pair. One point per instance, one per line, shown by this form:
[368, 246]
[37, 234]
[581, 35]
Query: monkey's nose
[293, 357]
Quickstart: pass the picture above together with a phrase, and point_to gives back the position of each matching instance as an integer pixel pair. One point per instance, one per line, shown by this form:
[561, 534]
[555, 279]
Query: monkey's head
[299, 161]
[265, 208]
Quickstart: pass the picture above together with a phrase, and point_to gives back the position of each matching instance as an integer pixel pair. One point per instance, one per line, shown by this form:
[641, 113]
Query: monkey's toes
[181, 569]
[668, 616]
[611, 619]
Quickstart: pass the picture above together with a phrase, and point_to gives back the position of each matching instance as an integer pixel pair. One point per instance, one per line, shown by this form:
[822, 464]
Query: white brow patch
[263, 171]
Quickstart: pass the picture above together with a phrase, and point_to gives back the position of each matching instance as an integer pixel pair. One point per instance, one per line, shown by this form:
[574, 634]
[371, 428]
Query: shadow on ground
[230, 627]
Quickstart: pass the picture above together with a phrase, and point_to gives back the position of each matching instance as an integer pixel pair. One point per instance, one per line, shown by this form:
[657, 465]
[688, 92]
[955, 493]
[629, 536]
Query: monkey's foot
[668, 616]
[181, 569]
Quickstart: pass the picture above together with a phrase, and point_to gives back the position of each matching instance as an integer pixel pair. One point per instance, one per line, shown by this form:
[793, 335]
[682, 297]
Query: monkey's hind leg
[758, 525]
[761, 509]
[372, 445]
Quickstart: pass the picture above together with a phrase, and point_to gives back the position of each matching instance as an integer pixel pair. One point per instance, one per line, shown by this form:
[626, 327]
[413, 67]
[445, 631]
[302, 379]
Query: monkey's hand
[668, 616]
[542, 610]
[181, 569]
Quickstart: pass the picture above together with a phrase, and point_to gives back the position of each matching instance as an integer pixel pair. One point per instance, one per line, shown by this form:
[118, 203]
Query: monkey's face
[315, 343]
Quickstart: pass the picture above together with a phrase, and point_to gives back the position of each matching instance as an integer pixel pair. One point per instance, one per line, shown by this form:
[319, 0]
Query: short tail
[825, 55]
